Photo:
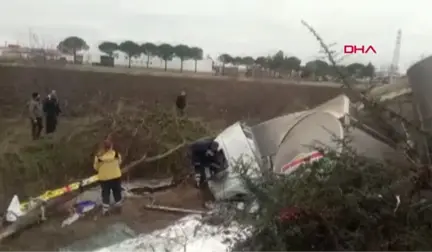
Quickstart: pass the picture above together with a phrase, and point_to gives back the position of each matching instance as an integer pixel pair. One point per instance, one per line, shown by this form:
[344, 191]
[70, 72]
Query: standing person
[107, 164]
[181, 103]
[52, 110]
[35, 114]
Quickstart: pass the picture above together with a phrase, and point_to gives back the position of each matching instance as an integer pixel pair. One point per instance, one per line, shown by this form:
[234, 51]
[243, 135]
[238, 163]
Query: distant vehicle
[106, 61]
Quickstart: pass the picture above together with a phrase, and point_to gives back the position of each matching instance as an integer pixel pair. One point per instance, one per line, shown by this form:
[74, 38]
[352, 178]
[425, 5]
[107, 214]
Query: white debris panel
[188, 234]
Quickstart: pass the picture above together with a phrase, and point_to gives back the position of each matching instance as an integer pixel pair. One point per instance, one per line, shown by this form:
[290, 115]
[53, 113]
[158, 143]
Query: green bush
[342, 202]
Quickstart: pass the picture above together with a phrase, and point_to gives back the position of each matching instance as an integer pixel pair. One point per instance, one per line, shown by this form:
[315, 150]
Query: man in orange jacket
[107, 164]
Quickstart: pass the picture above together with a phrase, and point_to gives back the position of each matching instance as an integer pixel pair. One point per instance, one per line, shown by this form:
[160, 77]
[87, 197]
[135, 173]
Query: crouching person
[208, 160]
[206, 156]
[107, 164]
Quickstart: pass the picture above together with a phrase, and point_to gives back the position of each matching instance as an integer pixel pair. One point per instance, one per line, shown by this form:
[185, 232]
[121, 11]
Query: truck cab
[240, 149]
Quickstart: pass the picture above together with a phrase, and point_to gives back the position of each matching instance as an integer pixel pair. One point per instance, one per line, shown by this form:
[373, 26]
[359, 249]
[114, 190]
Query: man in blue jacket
[206, 155]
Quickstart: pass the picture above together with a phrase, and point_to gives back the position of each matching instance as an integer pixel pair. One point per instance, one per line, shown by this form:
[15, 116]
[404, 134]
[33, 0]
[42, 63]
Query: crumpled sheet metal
[270, 134]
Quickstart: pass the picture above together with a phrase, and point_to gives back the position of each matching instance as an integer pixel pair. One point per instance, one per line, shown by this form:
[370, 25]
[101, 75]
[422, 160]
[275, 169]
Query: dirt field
[138, 70]
[216, 100]
[208, 98]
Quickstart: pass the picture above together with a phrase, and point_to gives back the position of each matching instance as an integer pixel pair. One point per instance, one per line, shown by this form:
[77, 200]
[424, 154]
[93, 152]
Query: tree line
[273, 64]
[131, 49]
[279, 63]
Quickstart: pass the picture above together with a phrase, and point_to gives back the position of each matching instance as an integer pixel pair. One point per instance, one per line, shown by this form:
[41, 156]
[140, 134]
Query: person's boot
[105, 210]
[117, 209]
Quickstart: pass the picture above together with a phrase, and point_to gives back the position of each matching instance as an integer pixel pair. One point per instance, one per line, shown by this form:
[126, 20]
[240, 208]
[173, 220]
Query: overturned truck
[282, 144]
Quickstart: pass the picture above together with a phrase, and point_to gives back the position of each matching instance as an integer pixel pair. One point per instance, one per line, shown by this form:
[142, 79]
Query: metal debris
[173, 209]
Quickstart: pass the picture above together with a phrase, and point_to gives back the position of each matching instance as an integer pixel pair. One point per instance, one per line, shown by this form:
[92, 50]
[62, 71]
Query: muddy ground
[219, 101]
[51, 236]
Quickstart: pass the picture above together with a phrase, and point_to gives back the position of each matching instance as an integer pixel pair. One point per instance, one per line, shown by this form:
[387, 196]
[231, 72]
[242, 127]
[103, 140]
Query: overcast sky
[238, 27]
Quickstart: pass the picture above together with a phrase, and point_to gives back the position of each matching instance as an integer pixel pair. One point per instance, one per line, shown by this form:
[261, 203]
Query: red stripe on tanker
[296, 162]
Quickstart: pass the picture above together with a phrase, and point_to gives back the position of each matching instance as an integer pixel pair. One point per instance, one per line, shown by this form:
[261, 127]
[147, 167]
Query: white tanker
[283, 143]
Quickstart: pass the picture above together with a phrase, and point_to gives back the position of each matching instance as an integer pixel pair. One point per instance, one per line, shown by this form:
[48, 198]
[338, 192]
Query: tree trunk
[166, 65]
[196, 61]
[74, 56]
[181, 65]
[148, 60]
[130, 62]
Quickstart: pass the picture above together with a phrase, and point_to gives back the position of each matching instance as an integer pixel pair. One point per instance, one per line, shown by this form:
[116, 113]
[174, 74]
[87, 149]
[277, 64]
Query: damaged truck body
[282, 144]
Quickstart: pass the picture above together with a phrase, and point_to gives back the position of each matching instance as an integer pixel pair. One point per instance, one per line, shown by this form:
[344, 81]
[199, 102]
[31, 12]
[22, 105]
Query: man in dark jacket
[206, 155]
[52, 110]
[35, 114]
[181, 103]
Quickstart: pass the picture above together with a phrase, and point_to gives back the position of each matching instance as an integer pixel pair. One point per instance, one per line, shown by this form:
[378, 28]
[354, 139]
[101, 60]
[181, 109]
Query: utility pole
[394, 67]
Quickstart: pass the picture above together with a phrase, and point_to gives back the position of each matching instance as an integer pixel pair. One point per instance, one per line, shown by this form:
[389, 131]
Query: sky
[237, 27]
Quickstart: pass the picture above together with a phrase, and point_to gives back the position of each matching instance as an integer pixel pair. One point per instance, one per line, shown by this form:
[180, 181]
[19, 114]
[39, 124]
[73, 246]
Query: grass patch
[29, 167]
